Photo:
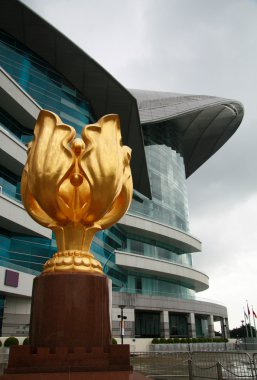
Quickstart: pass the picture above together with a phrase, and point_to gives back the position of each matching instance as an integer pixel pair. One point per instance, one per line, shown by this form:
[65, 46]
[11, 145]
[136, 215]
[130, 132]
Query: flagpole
[249, 316]
[245, 316]
[254, 316]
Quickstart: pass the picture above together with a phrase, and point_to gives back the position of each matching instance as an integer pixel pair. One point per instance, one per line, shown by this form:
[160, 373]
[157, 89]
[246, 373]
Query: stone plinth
[69, 332]
[25, 359]
[117, 375]
[70, 310]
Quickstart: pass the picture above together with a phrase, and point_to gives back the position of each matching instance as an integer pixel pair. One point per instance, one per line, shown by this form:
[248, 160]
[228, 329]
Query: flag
[249, 319]
[254, 314]
[246, 316]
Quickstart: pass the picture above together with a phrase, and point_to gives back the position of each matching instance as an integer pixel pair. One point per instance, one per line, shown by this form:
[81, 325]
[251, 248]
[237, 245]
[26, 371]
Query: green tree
[240, 332]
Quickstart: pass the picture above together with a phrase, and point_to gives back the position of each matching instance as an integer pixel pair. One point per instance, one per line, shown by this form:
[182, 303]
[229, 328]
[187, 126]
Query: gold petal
[102, 164]
[122, 202]
[50, 160]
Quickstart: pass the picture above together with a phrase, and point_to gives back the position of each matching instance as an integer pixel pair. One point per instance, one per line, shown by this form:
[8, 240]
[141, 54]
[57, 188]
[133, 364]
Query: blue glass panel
[50, 89]
[24, 253]
[166, 170]
[8, 123]
[148, 285]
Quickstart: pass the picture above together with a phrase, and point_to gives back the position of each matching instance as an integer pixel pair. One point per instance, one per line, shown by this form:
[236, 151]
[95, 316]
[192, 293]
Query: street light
[224, 332]
[122, 318]
[188, 341]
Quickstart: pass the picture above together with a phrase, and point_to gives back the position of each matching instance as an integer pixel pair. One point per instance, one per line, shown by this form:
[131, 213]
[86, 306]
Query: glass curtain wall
[153, 286]
[147, 324]
[43, 83]
[201, 326]
[166, 170]
[178, 325]
[15, 129]
[158, 250]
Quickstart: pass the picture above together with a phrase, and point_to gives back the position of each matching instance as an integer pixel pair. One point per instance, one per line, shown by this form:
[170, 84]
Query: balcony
[14, 218]
[182, 274]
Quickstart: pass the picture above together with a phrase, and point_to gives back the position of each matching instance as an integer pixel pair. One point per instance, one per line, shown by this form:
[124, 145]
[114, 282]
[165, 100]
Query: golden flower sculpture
[76, 186]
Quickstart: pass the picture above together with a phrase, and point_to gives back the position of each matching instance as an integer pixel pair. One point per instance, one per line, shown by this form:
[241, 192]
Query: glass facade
[168, 206]
[10, 183]
[25, 253]
[178, 325]
[147, 324]
[201, 326]
[154, 286]
[155, 249]
[167, 177]
[43, 83]
[166, 171]
[8, 123]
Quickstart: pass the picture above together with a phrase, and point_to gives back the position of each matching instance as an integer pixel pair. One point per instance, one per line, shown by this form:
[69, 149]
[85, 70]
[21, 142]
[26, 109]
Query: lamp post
[188, 330]
[122, 318]
[225, 335]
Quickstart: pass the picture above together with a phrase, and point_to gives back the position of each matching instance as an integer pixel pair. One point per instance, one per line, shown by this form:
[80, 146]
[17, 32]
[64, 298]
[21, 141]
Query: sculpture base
[69, 330]
[117, 375]
[70, 333]
[25, 359]
[70, 310]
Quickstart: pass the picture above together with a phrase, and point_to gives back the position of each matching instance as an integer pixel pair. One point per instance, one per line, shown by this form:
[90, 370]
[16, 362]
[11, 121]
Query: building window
[147, 324]
[178, 325]
[138, 285]
[201, 326]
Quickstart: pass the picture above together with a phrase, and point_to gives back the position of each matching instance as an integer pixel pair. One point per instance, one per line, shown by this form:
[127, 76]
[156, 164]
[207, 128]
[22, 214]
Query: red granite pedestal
[70, 335]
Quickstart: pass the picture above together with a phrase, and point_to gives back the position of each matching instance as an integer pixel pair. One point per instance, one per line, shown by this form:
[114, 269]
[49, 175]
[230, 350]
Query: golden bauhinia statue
[76, 186]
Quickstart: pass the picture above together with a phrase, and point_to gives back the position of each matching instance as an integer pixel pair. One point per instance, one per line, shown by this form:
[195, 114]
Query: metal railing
[221, 365]
[196, 365]
[157, 365]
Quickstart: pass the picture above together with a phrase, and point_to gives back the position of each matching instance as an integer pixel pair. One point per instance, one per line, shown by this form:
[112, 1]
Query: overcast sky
[195, 47]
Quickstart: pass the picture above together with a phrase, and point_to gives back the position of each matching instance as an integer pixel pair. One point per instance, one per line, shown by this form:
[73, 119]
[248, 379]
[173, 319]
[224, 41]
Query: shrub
[183, 340]
[114, 341]
[163, 341]
[176, 340]
[170, 340]
[155, 341]
[26, 341]
[11, 341]
[203, 340]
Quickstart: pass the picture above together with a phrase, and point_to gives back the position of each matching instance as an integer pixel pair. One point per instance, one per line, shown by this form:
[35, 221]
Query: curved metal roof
[105, 94]
[205, 122]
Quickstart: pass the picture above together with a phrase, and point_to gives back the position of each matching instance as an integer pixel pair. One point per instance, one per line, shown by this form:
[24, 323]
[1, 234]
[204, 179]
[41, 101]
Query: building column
[165, 326]
[211, 331]
[191, 325]
[224, 328]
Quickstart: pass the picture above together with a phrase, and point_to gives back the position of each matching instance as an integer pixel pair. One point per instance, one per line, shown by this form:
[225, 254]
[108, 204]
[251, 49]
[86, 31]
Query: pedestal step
[25, 359]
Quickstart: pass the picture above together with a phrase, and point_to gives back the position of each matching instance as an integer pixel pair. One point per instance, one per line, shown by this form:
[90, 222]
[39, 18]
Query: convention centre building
[148, 254]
